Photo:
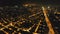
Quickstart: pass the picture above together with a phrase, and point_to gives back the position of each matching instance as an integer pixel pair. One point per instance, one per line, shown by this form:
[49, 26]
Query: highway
[51, 31]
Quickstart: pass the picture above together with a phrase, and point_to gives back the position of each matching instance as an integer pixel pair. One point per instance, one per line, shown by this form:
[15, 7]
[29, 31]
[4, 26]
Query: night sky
[18, 2]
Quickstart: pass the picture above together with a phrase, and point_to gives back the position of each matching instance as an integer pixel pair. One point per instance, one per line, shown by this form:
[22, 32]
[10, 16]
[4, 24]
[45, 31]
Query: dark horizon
[18, 2]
